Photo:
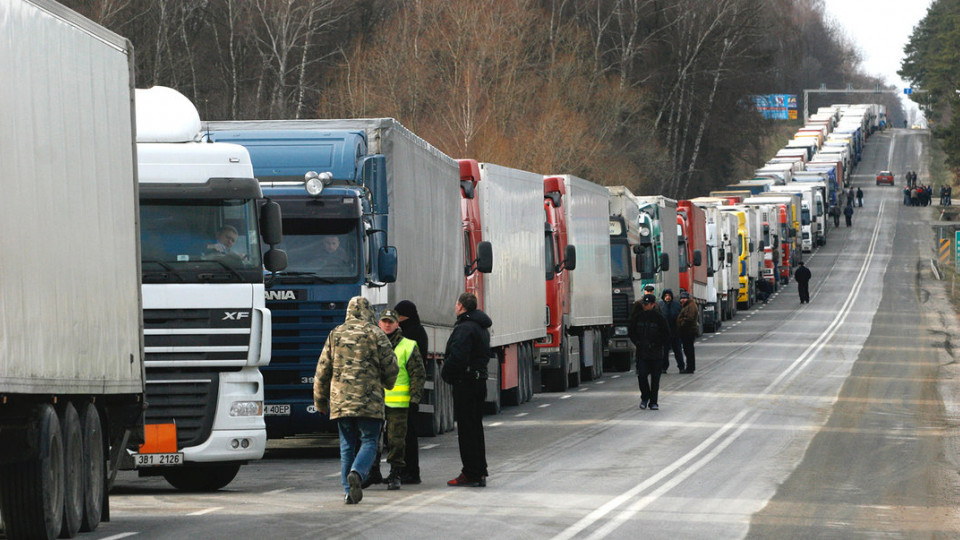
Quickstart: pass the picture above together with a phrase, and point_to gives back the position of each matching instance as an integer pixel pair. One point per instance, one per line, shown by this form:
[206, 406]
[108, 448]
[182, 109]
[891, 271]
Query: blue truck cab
[333, 197]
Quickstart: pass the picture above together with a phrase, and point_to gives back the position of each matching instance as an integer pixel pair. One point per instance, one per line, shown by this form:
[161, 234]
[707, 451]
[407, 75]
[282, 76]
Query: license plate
[158, 460]
[276, 410]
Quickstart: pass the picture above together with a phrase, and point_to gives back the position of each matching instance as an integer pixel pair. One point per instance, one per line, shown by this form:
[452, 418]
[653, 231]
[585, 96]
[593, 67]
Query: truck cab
[206, 328]
[556, 364]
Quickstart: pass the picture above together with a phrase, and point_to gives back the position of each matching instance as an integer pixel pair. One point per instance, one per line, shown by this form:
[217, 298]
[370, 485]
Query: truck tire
[528, 363]
[201, 479]
[31, 491]
[72, 471]
[94, 469]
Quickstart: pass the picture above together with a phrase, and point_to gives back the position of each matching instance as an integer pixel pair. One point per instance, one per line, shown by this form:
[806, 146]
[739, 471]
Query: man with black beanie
[412, 329]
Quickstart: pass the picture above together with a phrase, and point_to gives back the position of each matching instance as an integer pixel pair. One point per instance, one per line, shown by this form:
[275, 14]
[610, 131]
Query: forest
[932, 65]
[652, 94]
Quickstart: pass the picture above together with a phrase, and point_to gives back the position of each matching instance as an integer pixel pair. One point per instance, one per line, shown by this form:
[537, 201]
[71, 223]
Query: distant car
[885, 177]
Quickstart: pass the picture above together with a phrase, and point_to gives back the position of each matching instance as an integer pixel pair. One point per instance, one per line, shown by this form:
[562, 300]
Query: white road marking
[584, 389]
[495, 424]
[565, 396]
[733, 425]
[544, 405]
[121, 535]
[211, 510]
[519, 415]
[276, 491]
[429, 446]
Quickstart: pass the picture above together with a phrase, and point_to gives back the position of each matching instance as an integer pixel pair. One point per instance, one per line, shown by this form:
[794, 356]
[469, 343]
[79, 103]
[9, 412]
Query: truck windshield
[549, 258]
[805, 216]
[620, 267]
[648, 260]
[321, 249]
[200, 241]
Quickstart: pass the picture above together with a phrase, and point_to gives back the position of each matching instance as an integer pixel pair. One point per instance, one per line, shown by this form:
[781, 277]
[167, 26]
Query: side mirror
[710, 272]
[271, 223]
[763, 245]
[484, 257]
[730, 258]
[387, 264]
[697, 257]
[750, 247]
[275, 260]
[664, 262]
[570, 257]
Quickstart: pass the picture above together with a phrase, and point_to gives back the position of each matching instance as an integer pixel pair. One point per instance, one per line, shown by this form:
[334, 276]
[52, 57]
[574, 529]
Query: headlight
[708, 308]
[620, 331]
[246, 408]
[644, 231]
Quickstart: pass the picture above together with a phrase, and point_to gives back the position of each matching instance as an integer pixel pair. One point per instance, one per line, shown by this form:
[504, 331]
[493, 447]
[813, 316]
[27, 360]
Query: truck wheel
[72, 471]
[528, 369]
[31, 491]
[94, 471]
[200, 479]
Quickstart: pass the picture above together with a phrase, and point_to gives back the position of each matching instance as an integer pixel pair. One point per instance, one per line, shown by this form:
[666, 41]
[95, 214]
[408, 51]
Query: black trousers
[804, 290]
[688, 352]
[673, 343]
[648, 376]
[468, 397]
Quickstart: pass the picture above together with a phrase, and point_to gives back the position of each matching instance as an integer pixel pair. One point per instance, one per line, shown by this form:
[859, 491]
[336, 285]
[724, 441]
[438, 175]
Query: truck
[71, 340]
[692, 238]
[813, 214]
[203, 221]
[367, 182]
[747, 275]
[659, 251]
[631, 262]
[504, 266]
[578, 297]
[720, 282]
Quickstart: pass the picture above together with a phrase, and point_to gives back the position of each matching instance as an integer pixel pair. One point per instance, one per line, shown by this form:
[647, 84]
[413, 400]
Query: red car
[885, 177]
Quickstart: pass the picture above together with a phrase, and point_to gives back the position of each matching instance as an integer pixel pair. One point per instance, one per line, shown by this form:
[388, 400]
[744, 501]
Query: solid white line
[277, 491]
[209, 510]
[792, 370]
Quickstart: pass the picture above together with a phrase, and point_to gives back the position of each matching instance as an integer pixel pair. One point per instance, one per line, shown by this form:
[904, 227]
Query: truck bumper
[549, 359]
[621, 344]
[219, 447]
[711, 317]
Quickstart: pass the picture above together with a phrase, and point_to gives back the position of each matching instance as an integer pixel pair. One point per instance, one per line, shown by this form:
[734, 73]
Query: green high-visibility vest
[399, 396]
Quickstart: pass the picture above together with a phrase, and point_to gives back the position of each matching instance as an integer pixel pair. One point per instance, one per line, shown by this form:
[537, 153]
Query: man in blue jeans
[366, 365]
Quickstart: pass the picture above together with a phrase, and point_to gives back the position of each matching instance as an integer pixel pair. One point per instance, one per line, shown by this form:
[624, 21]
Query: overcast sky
[880, 29]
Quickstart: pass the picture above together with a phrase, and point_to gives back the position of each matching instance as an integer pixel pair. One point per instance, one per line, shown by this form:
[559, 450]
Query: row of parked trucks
[170, 282]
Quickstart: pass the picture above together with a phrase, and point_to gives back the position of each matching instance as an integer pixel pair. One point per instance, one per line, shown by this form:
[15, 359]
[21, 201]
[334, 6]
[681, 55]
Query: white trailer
[511, 219]
[71, 351]
[586, 207]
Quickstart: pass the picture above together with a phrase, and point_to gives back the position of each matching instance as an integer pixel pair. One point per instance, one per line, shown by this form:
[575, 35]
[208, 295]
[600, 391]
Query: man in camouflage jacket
[356, 365]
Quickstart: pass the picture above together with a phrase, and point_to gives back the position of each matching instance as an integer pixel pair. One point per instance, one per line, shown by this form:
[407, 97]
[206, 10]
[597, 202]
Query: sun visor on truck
[214, 188]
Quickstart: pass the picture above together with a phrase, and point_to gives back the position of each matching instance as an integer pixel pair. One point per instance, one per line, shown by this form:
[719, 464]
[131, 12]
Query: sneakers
[463, 481]
[643, 404]
[654, 407]
[347, 499]
[356, 491]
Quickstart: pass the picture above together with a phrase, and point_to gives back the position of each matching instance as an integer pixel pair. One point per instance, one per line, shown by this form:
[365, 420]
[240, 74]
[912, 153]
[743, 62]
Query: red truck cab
[472, 233]
[692, 236]
[786, 252]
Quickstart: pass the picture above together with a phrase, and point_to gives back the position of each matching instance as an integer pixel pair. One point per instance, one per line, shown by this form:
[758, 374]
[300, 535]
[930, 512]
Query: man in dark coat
[859, 197]
[465, 367]
[648, 331]
[802, 275]
[412, 329]
[670, 309]
[848, 214]
[688, 326]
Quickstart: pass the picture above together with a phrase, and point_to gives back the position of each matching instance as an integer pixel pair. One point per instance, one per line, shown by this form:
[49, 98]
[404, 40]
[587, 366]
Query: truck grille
[187, 398]
[621, 307]
[300, 330]
[217, 336]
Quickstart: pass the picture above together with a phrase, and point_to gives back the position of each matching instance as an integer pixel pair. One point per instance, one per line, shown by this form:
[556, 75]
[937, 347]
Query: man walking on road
[848, 214]
[670, 309]
[363, 359]
[802, 275]
[688, 326]
[648, 331]
[465, 367]
[859, 197]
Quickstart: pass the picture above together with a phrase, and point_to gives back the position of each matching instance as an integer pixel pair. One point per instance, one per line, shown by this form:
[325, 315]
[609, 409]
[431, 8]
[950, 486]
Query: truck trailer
[71, 339]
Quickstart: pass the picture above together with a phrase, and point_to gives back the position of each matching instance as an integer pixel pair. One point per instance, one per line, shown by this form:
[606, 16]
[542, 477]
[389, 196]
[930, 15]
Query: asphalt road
[833, 419]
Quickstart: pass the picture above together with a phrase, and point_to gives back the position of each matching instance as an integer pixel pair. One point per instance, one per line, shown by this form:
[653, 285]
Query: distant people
[802, 275]
[648, 331]
[365, 365]
[403, 397]
[688, 326]
[670, 309]
[412, 329]
[851, 195]
[948, 201]
[835, 212]
[465, 367]
[859, 197]
[765, 287]
[914, 196]
[848, 215]
[906, 195]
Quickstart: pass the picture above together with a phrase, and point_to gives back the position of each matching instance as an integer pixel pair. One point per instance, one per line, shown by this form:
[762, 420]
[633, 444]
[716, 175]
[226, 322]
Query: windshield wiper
[226, 267]
[161, 264]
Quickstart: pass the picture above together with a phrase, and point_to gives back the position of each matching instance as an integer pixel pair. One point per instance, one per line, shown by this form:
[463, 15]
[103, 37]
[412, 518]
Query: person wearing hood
[648, 331]
[670, 309]
[412, 329]
[365, 365]
[688, 326]
[465, 367]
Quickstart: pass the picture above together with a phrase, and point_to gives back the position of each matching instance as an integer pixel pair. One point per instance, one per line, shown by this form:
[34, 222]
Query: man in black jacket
[648, 331]
[465, 367]
[412, 329]
[802, 275]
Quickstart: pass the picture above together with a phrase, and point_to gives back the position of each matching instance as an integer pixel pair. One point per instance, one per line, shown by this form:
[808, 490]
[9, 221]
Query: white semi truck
[206, 330]
[71, 353]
